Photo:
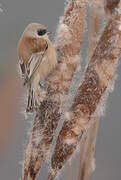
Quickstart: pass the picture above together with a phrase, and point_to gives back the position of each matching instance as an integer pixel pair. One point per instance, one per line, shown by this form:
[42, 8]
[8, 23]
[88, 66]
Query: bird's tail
[31, 104]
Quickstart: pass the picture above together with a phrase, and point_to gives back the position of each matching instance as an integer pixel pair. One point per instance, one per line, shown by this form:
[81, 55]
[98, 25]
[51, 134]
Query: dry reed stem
[94, 27]
[87, 161]
[100, 70]
[87, 145]
[68, 41]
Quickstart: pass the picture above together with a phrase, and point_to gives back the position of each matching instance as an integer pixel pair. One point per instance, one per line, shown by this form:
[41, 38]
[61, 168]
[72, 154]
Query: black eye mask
[41, 32]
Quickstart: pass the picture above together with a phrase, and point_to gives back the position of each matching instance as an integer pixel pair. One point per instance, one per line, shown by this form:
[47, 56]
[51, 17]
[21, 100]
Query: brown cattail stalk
[87, 162]
[68, 42]
[100, 70]
[87, 145]
[95, 12]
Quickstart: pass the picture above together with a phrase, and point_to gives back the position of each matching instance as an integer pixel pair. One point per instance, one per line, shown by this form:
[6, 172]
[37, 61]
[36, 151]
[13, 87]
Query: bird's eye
[41, 32]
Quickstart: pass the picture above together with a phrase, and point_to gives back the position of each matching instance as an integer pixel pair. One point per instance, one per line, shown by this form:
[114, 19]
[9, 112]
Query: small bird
[37, 58]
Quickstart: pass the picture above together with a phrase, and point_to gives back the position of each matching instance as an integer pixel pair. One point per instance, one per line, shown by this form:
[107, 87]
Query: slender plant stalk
[87, 160]
[87, 144]
[94, 28]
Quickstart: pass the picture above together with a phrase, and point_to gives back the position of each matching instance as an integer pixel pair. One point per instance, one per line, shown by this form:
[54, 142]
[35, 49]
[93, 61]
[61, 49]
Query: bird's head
[33, 40]
[35, 30]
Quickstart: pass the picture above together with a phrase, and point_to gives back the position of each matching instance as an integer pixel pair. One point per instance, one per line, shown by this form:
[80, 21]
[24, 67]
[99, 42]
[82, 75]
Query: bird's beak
[49, 33]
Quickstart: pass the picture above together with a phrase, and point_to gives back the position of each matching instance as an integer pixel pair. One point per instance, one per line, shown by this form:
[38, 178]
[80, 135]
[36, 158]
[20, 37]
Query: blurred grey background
[16, 15]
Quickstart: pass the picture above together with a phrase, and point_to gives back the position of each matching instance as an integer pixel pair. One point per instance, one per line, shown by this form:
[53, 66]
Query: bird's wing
[36, 58]
[33, 64]
[29, 67]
